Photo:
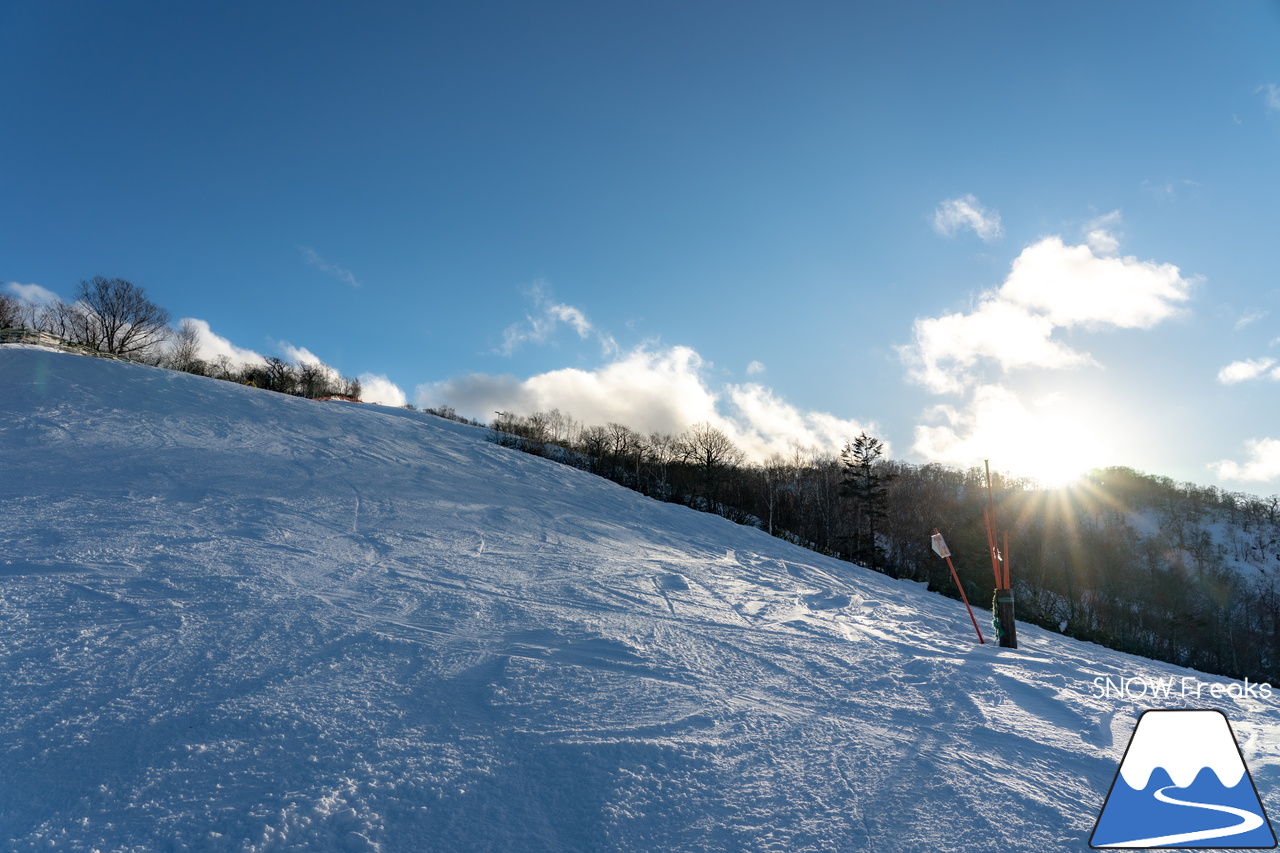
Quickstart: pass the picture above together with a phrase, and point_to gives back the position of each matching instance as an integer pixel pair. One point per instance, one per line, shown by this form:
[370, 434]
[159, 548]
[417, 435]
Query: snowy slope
[233, 620]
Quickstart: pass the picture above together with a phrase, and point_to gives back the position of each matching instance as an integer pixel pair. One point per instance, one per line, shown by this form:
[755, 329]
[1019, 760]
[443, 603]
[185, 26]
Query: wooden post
[1002, 605]
[1006, 627]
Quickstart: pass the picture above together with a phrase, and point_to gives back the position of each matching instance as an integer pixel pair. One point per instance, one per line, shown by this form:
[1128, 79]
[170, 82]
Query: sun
[1054, 472]
[1054, 447]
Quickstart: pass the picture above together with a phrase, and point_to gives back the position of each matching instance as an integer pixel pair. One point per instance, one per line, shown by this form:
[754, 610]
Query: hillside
[236, 620]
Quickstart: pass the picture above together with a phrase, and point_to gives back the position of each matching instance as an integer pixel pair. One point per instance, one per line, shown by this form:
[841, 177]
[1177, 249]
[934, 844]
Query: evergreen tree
[865, 484]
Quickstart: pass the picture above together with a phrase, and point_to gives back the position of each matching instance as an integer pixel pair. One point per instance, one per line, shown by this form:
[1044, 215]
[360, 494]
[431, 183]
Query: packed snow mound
[234, 620]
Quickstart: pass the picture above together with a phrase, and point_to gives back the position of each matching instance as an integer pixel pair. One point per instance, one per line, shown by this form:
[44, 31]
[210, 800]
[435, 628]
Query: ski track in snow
[232, 620]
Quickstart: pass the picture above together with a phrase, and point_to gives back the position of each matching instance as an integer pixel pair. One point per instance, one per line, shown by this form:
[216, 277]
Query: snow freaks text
[1147, 687]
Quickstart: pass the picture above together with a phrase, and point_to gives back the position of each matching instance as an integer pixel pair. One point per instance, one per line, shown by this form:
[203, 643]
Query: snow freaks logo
[1144, 687]
[1183, 783]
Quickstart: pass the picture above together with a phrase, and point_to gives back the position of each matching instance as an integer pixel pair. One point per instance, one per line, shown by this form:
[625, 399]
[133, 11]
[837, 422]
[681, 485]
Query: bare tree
[714, 452]
[710, 448]
[777, 475]
[623, 448]
[593, 441]
[184, 352]
[661, 450]
[222, 368]
[65, 321]
[561, 428]
[318, 380]
[10, 312]
[120, 319]
[281, 376]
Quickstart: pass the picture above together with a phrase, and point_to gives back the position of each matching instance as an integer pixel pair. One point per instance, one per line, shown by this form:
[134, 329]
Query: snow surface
[237, 621]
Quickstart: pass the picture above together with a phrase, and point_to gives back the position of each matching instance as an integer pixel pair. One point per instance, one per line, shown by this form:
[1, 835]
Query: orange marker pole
[1005, 555]
[941, 549]
[991, 545]
[989, 515]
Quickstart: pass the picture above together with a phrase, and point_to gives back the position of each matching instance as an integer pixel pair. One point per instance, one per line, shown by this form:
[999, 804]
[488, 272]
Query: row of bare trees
[697, 466]
[115, 317]
[304, 379]
[833, 504]
[110, 315]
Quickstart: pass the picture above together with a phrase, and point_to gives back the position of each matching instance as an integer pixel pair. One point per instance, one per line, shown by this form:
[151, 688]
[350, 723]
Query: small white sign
[940, 546]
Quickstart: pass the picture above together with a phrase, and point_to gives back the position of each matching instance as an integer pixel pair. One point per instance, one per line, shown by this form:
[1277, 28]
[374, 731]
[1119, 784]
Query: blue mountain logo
[1183, 783]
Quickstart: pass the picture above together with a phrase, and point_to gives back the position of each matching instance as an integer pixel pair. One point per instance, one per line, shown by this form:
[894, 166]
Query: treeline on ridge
[114, 317]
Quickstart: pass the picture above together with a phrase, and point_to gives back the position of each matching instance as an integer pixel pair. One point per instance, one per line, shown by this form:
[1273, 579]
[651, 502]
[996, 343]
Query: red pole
[963, 597]
[1005, 555]
[991, 544]
[992, 540]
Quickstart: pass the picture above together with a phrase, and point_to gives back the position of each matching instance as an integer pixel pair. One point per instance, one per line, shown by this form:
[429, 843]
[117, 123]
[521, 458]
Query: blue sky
[1038, 233]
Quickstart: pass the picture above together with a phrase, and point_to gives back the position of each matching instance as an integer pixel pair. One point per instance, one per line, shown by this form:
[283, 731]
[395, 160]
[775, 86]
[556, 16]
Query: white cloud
[32, 294]
[608, 346]
[377, 388]
[762, 424]
[210, 346]
[651, 390]
[1102, 242]
[754, 368]
[948, 348]
[539, 326]
[1270, 96]
[1101, 234]
[1243, 371]
[1168, 191]
[965, 212]
[312, 257]
[572, 316]
[1250, 317]
[1072, 286]
[1050, 286]
[646, 390]
[1263, 464]
[301, 355]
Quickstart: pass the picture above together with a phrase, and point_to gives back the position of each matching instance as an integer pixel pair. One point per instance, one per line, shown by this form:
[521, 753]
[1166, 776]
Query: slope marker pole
[940, 548]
